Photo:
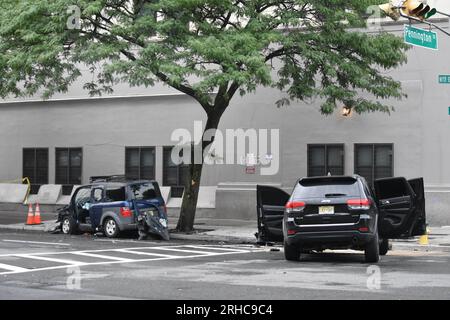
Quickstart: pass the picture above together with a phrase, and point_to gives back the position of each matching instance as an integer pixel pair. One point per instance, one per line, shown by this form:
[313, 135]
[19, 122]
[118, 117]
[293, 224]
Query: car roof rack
[111, 178]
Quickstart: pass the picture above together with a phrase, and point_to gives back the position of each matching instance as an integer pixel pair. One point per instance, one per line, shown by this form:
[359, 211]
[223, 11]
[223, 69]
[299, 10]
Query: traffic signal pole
[413, 10]
[428, 23]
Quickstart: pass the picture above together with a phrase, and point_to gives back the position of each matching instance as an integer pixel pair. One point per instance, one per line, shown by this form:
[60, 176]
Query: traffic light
[418, 9]
[411, 8]
[390, 10]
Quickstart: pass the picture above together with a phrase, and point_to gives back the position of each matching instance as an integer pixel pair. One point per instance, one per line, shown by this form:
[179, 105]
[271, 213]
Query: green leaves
[304, 48]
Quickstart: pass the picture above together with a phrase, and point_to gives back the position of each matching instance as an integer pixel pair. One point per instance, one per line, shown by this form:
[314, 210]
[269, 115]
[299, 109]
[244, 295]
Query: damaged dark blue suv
[340, 212]
[115, 206]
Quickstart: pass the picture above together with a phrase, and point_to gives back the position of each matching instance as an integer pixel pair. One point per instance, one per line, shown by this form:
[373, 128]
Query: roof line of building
[161, 95]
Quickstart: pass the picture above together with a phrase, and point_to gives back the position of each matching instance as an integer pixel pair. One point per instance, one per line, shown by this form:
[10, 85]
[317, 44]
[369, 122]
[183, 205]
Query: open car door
[270, 202]
[401, 205]
[420, 227]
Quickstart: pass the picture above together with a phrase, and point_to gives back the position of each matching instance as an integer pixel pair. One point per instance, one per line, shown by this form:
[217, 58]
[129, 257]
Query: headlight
[151, 213]
[163, 222]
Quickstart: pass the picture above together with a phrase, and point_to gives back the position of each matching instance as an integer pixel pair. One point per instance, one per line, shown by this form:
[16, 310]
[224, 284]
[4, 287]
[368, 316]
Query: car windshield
[326, 188]
[144, 191]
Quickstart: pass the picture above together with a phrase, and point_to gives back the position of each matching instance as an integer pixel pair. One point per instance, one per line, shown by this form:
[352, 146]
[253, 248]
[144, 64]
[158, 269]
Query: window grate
[174, 175]
[324, 159]
[140, 163]
[374, 161]
[35, 167]
[68, 168]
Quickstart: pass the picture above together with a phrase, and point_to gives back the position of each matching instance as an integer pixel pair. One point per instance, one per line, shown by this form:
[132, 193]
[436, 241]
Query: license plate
[326, 210]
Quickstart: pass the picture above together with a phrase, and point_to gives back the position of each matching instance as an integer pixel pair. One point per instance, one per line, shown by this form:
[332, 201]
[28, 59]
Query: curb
[175, 236]
[233, 239]
[213, 238]
[35, 228]
[420, 248]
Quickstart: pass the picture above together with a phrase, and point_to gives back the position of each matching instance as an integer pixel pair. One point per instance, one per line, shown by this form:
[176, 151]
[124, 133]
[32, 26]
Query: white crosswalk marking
[12, 268]
[146, 253]
[112, 256]
[101, 256]
[39, 257]
[216, 248]
[206, 253]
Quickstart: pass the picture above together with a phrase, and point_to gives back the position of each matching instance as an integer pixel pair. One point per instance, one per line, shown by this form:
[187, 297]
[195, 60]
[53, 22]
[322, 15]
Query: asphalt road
[46, 266]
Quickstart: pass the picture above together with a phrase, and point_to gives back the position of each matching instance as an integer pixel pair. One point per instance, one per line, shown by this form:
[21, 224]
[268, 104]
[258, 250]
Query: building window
[35, 167]
[140, 163]
[68, 168]
[374, 161]
[174, 175]
[324, 159]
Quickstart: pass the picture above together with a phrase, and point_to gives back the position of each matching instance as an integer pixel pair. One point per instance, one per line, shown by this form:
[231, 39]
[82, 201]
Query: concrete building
[72, 137]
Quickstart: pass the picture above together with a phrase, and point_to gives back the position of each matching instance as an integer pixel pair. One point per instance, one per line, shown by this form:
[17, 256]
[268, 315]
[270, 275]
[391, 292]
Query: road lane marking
[100, 256]
[82, 264]
[206, 253]
[38, 242]
[216, 248]
[90, 251]
[114, 260]
[145, 253]
[12, 268]
[39, 257]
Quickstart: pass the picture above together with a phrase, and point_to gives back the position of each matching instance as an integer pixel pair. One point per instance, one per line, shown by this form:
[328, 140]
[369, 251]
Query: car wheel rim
[110, 227]
[66, 226]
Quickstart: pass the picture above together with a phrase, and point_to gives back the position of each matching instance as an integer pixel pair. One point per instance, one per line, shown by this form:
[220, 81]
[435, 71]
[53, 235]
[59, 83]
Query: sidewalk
[242, 231]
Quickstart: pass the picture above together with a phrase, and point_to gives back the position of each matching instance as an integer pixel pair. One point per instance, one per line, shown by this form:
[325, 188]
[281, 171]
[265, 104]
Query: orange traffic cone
[30, 217]
[37, 215]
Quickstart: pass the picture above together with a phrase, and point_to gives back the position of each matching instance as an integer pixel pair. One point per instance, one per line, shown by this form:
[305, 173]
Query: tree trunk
[192, 186]
[190, 197]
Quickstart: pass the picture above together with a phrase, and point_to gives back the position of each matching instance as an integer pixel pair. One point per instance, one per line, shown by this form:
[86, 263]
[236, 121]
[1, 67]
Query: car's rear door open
[270, 205]
[401, 205]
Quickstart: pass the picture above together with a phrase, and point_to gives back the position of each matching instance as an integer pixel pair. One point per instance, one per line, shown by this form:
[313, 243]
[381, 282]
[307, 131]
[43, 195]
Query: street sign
[444, 78]
[449, 111]
[420, 37]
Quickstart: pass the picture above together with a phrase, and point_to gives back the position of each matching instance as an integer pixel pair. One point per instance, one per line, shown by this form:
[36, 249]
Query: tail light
[359, 204]
[126, 212]
[363, 229]
[294, 206]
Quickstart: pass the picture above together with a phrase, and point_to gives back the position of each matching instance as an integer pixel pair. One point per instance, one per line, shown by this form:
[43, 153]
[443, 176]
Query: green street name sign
[444, 78]
[421, 38]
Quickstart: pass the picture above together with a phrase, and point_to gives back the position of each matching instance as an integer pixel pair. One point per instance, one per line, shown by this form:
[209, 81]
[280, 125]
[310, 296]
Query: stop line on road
[31, 262]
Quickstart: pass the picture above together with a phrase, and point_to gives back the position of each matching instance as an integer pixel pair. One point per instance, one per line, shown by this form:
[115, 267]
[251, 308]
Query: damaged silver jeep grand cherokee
[341, 212]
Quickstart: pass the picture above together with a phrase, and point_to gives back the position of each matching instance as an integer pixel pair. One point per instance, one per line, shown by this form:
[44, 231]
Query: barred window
[68, 165]
[35, 167]
[374, 161]
[174, 175]
[324, 159]
[140, 163]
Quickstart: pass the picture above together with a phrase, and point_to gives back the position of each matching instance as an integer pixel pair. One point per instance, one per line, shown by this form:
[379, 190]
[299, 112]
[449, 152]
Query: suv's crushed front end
[152, 221]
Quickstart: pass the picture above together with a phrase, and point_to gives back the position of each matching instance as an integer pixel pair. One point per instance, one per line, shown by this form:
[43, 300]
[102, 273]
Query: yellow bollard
[423, 240]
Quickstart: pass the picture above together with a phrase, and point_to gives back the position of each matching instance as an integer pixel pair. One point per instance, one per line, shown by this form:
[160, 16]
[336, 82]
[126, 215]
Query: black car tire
[110, 228]
[372, 250]
[69, 225]
[384, 246]
[291, 252]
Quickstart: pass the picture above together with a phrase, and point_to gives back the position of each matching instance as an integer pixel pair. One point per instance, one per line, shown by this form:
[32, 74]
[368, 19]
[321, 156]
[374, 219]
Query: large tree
[200, 47]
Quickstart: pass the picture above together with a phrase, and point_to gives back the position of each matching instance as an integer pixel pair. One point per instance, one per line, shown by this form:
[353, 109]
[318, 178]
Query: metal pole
[444, 14]
[426, 22]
